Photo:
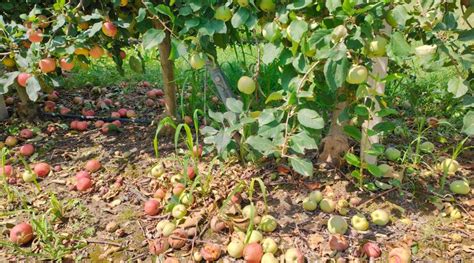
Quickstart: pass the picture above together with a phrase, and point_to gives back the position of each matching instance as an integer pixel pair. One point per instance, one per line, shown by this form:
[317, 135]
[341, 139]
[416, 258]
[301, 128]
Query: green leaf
[270, 53]
[94, 29]
[385, 126]
[274, 96]
[234, 105]
[135, 64]
[301, 166]
[399, 46]
[400, 14]
[466, 35]
[32, 88]
[332, 5]
[335, 72]
[468, 123]
[8, 81]
[386, 112]
[152, 38]
[348, 6]
[352, 159]
[299, 4]
[296, 30]
[261, 144]
[457, 87]
[310, 118]
[266, 116]
[302, 141]
[374, 170]
[222, 139]
[165, 10]
[353, 132]
[217, 116]
[240, 17]
[141, 15]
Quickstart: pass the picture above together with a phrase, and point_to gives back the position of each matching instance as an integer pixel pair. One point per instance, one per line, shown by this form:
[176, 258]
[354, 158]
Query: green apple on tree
[357, 74]
[223, 13]
[246, 85]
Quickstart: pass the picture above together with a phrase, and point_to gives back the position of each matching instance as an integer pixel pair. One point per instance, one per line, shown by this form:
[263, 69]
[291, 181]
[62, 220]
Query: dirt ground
[107, 223]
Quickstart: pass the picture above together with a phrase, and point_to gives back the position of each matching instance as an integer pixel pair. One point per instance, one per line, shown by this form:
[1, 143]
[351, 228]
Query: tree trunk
[220, 80]
[336, 143]
[379, 70]
[167, 67]
[3, 109]
[25, 109]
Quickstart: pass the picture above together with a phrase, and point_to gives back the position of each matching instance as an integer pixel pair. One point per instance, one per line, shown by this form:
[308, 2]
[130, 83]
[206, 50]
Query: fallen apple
[386, 169]
[359, 222]
[338, 242]
[92, 166]
[26, 134]
[255, 237]
[269, 258]
[399, 255]
[158, 246]
[168, 229]
[152, 207]
[160, 193]
[371, 250]
[337, 225]
[197, 256]
[186, 198]
[21, 233]
[210, 252]
[448, 166]
[235, 248]
[327, 205]
[294, 255]
[216, 224]
[460, 187]
[11, 141]
[122, 112]
[248, 211]
[380, 217]
[316, 196]
[197, 151]
[42, 169]
[309, 204]
[177, 239]
[253, 253]
[269, 245]
[6, 170]
[98, 124]
[455, 214]
[83, 184]
[157, 170]
[82, 174]
[190, 172]
[178, 189]
[28, 176]
[27, 150]
[427, 147]
[392, 154]
[179, 211]
[268, 223]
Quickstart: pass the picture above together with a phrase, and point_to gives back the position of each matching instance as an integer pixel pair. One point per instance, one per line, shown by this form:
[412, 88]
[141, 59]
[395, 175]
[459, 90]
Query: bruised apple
[399, 255]
[21, 233]
[26, 134]
[294, 255]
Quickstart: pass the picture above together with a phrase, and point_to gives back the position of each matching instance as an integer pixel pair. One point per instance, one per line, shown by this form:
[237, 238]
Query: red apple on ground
[99, 123]
[83, 184]
[27, 150]
[82, 125]
[253, 253]
[83, 174]
[11, 141]
[42, 169]
[152, 207]
[21, 233]
[64, 110]
[115, 114]
[6, 170]
[26, 134]
[92, 166]
[190, 172]
[122, 112]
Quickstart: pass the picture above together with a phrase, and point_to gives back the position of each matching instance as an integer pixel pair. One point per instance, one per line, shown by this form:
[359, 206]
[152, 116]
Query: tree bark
[3, 109]
[25, 109]
[336, 143]
[167, 67]
[220, 81]
[379, 71]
